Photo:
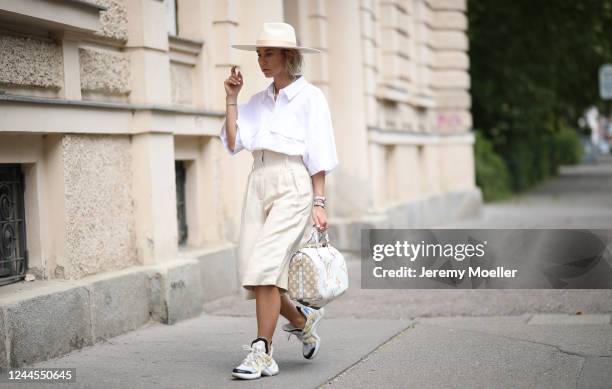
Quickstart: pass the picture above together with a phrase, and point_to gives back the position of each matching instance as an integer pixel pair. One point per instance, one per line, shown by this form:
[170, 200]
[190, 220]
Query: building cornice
[48, 115]
[401, 137]
[53, 15]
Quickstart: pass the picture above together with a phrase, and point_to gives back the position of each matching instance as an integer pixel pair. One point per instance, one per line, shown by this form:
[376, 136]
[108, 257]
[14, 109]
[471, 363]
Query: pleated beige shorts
[276, 216]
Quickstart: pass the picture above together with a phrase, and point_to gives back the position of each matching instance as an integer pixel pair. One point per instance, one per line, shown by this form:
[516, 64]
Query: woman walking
[288, 129]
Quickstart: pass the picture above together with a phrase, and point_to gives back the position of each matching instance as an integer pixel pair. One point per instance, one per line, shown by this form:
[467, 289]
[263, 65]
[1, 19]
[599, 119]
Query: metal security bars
[13, 253]
[181, 212]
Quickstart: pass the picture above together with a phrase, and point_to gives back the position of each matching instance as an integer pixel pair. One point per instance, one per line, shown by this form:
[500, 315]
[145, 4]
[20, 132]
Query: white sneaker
[311, 342]
[257, 361]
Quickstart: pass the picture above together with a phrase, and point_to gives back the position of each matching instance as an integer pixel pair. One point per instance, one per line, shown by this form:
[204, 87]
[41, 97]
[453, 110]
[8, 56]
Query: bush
[532, 156]
[491, 171]
[568, 147]
[528, 158]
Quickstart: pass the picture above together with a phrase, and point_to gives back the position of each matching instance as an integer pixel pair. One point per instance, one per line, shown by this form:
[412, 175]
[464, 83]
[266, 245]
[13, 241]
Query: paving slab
[596, 373]
[588, 340]
[561, 319]
[487, 353]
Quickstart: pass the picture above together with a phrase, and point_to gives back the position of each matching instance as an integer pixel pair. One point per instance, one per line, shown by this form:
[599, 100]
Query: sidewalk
[495, 352]
[201, 353]
[539, 351]
[399, 338]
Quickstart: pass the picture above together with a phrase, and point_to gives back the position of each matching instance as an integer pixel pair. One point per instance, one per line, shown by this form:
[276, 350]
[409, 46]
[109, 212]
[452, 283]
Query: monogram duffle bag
[317, 272]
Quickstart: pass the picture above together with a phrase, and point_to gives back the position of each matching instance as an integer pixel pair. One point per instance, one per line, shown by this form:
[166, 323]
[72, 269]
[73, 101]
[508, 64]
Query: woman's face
[271, 61]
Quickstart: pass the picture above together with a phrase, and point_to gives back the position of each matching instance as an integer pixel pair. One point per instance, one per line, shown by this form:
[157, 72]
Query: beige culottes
[276, 216]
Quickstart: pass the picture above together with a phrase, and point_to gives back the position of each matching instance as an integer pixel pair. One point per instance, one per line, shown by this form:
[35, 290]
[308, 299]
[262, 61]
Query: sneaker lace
[305, 335]
[308, 338]
[254, 358]
[296, 334]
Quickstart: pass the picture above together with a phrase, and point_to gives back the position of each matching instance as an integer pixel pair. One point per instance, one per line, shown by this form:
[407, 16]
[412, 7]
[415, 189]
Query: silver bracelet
[319, 202]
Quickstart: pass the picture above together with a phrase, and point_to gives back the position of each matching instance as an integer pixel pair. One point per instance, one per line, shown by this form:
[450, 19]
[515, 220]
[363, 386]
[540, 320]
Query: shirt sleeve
[320, 143]
[244, 126]
[223, 135]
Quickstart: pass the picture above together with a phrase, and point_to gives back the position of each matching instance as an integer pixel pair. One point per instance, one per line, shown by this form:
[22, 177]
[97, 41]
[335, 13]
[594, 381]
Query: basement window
[13, 253]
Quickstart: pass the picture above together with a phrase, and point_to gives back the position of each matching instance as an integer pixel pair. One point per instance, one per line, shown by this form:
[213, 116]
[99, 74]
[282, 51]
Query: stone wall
[114, 19]
[30, 62]
[182, 83]
[451, 65]
[99, 209]
[104, 71]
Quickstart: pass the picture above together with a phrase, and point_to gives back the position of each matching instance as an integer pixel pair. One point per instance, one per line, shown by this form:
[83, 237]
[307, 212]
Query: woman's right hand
[233, 83]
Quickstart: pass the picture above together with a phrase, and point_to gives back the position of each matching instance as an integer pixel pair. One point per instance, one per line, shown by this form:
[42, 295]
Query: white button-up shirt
[297, 123]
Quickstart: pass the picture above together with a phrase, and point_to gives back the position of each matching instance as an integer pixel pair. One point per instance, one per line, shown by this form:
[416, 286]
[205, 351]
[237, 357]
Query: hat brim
[305, 50]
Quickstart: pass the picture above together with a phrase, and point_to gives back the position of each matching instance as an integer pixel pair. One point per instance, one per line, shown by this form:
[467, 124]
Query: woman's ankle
[301, 322]
[268, 343]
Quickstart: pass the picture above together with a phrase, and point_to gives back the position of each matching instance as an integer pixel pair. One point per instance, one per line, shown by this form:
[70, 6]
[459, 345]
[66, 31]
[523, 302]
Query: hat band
[275, 43]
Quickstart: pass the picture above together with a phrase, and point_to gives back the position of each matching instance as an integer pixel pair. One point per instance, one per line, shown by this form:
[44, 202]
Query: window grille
[13, 253]
[181, 212]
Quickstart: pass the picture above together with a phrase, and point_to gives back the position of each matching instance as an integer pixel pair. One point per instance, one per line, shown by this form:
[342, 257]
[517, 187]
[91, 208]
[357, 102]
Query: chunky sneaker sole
[245, 375]
[317, 345]
[309, 349]
[257, 363]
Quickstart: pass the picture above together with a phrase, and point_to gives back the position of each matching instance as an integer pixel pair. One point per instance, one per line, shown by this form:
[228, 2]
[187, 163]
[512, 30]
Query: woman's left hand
[319, 218]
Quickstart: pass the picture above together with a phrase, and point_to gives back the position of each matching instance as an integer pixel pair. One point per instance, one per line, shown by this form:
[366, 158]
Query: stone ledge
[47, 326]
[402, 137]
[166, 109]
[345, 234]
[78, 16]
[44, 319]
[176, 291]
[40, 115]
[218, 269]
[450, 5]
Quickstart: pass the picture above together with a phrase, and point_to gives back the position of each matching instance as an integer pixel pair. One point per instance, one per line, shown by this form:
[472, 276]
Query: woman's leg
[268, 305]
[291, 313]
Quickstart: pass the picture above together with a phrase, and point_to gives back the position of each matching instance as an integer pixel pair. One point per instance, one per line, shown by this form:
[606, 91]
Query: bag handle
[315, 237]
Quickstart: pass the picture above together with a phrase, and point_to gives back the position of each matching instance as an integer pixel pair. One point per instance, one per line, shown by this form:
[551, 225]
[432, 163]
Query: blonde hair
[293, 61]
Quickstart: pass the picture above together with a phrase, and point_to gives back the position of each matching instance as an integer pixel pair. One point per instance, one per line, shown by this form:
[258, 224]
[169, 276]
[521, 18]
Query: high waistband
[264, 158]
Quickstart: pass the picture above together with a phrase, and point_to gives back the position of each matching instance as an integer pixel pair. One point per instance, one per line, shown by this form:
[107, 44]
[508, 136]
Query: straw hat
[281, 35]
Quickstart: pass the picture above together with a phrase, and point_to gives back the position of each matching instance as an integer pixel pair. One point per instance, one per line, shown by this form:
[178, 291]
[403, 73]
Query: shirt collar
[290, 90]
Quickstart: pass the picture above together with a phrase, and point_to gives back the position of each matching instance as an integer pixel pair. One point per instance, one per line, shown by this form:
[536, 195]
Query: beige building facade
[116, 188]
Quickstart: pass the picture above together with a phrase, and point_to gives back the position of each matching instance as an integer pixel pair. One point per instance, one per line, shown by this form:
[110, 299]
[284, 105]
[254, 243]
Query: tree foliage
[534, 68]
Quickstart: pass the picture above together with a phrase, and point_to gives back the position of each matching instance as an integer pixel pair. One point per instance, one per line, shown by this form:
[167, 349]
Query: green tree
[533, 67]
